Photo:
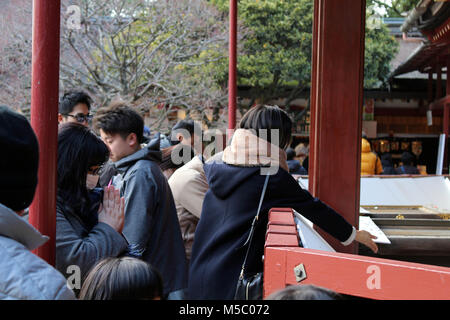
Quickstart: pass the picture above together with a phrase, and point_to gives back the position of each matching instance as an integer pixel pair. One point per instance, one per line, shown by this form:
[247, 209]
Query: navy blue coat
[228, 210]
[407, 170]
[296, 168]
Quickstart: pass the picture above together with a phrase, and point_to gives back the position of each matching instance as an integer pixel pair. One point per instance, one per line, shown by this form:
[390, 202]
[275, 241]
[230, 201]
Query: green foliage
[276, 51]
[222, 5]
[393, 8]
[380, 49]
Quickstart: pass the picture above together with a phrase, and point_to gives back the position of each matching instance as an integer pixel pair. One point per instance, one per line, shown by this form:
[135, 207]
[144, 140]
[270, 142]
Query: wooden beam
[408, 112]
[336, 107]
[446, 120]
[439, 104]
[430, 86]
[438, 81]
[354, 275]
[349, 274]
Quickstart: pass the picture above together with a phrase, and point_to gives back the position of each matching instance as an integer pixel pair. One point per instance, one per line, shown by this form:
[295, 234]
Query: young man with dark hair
[151, 224]
[23, 275]
[74, 106]
[186, 132]
[186, 135]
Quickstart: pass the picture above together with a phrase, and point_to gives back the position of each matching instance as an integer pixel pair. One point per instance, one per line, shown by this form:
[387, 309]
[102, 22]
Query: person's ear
[180, 137]
[60, 118]
[132, 140]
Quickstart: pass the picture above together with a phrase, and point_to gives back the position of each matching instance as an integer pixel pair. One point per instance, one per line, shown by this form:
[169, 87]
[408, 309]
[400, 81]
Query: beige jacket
[189, 185]
[247, 150]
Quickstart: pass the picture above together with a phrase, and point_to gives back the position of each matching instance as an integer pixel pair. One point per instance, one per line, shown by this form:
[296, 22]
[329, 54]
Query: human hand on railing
[365, 238]
[112, 211]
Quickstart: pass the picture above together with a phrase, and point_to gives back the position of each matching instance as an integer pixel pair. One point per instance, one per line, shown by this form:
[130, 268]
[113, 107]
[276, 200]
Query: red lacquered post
[44, 113]
[336, 107]
[232, 66]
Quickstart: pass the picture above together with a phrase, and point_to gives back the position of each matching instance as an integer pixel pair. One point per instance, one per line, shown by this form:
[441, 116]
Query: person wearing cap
[23, 275]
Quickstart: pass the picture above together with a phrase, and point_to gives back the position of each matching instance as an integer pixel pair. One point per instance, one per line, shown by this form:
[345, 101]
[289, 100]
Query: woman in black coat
[232, 200]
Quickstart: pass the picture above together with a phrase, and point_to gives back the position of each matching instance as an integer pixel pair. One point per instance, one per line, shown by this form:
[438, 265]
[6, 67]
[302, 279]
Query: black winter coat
[228, 210]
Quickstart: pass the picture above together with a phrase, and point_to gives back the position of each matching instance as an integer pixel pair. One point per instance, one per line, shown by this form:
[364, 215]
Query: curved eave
[423, 58]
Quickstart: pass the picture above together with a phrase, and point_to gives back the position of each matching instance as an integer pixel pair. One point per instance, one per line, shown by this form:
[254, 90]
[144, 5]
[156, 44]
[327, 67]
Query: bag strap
[252, 230]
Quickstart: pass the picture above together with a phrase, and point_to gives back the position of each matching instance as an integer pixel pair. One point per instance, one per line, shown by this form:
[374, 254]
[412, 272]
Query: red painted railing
[349, 274]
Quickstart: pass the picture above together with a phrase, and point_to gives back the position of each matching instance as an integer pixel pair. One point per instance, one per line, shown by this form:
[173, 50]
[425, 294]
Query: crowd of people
[136, 223]
[372, 164]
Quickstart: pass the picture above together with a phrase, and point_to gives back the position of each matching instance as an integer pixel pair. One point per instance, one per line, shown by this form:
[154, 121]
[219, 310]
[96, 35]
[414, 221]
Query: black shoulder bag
[250, 286]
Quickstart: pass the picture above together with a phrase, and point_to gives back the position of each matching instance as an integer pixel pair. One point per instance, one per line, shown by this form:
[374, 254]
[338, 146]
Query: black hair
[186, 153]
[78, 150]
[304, 292]
[122, 278]
[290, 153]
[407, 159]
[188, 125]
[71, 98]
[120, 118]
[269, 118]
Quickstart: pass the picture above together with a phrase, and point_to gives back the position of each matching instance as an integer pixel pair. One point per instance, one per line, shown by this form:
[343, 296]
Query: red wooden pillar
[439, 82]
[430, 87]
[44, 113]
[446, 120]
[336, 107]
[232, 85]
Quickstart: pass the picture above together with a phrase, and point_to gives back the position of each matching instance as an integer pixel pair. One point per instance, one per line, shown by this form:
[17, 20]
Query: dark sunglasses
[80, 117]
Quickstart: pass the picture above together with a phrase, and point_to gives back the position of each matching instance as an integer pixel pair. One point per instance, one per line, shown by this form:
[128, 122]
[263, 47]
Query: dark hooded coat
[228, 210]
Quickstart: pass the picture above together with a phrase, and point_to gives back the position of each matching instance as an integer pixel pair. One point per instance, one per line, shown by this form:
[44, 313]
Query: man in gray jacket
[23, 275]
[151, 224]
